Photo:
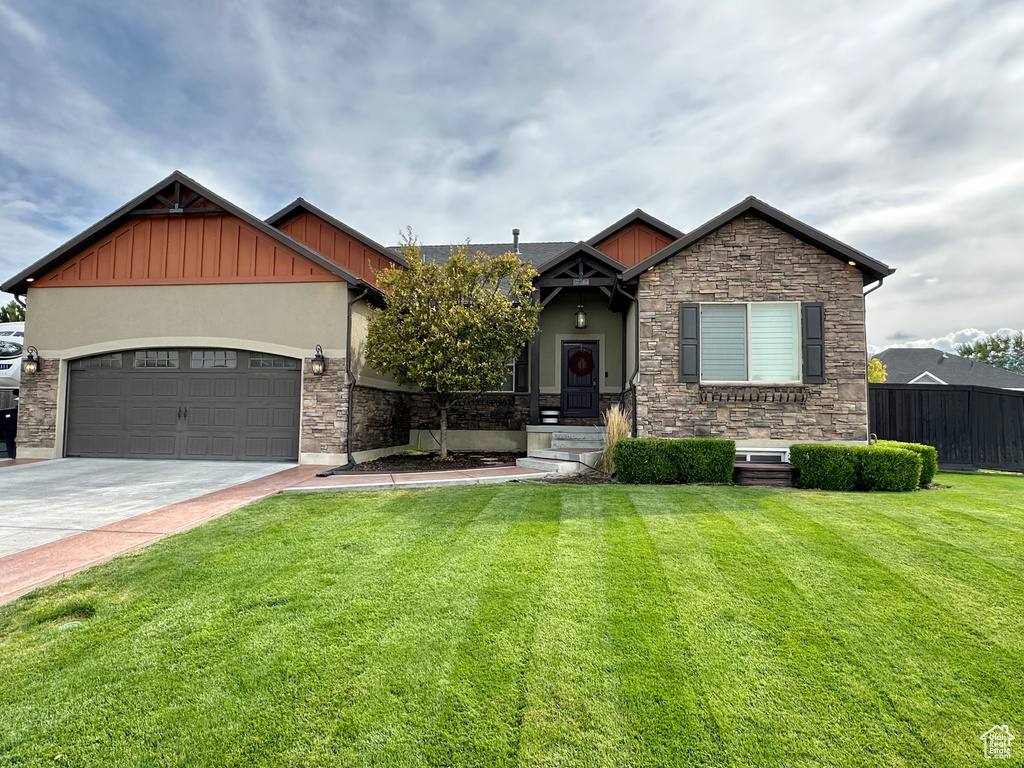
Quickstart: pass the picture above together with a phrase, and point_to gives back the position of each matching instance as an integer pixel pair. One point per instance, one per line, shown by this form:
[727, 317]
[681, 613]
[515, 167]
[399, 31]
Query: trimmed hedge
[645, 460]
[856, 467]
[929, 458]
[704, 459]
[889, 469]
[656, 461]
[824, 467]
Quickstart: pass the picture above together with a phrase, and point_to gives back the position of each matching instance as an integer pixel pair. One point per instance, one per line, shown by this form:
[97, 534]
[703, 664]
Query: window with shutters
[757, 342]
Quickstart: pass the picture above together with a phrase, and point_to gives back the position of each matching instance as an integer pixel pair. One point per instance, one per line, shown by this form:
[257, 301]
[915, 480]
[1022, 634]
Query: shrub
[655, 461]
[645, 460]
[617, 427]
[889, 469]
[929, 458]
[704, 460]
[825, 467]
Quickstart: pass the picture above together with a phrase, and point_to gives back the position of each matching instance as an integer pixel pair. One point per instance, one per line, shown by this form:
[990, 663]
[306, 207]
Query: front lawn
[538, 625]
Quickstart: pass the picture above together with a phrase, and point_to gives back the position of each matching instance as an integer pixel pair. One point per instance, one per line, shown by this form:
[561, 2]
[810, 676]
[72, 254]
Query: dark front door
[580, 379]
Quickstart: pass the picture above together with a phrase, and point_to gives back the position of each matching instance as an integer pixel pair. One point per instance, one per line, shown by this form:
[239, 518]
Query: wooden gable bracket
[178, 203]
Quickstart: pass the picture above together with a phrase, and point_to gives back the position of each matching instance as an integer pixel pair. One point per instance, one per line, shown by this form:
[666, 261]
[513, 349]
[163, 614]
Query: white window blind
[723, 342]
[775, 341]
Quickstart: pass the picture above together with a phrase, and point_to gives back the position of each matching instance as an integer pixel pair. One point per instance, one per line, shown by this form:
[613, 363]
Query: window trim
[748, 382]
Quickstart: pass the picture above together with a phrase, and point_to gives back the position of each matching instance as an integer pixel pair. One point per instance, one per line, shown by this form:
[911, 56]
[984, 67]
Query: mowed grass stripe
[232, 653]
[971, 589]
[939, 674]
[571, 717]
[768, 649]
[665, 716]
[481, 718]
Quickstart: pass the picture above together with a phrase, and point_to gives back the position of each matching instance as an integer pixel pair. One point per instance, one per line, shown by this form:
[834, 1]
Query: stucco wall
[284, 319]
[287, 319]
[750, 260]
[557, 325]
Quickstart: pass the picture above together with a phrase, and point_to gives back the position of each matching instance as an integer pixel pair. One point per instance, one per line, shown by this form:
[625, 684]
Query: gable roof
[637, 216]
[19, 283]
[301, 204]
[581, 249]
[905, 364]
[873, 270]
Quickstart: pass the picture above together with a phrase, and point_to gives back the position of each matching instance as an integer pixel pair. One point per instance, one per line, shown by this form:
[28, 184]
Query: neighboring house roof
[873, 270]
[538, 254]
[19, 283]
[300, 204]
[633, 218]
[904, 365]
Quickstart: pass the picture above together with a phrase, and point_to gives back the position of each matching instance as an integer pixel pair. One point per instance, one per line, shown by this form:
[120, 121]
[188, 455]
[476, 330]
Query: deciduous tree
[877, 374]
[452, 328]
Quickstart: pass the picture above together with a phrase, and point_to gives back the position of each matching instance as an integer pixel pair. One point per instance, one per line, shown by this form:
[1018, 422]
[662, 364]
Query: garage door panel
[200, 387]
[229, 414]
[166, 386]
[224, 417]
[198, 417]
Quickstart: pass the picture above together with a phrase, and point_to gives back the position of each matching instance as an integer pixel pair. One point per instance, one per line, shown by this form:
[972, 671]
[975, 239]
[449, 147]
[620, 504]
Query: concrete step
[577, 445]
[548, 465]
[591, 458]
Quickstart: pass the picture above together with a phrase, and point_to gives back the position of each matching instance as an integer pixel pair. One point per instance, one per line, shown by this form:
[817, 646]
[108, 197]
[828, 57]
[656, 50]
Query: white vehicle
[12, 342]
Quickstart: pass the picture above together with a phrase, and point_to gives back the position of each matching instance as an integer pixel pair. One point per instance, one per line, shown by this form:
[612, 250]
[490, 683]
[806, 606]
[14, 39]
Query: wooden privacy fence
[971, 427]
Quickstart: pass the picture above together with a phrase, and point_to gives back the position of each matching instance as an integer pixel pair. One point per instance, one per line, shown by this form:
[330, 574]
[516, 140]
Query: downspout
[867, 384]
[350, 376]
[17, 298]
[351, 385]
[636, 352]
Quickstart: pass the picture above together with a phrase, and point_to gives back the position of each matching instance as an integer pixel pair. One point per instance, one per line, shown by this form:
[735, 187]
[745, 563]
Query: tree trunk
[444, 431]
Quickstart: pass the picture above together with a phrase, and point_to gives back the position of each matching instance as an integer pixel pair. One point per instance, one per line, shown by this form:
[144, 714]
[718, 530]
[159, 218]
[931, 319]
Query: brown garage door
[184, 404]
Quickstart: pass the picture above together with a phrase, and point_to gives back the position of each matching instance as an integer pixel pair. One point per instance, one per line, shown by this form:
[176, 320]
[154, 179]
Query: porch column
[535, 380]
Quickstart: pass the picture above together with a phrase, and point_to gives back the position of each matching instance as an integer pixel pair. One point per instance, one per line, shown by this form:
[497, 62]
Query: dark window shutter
[522, 376]
[689, 341]
[814, 342]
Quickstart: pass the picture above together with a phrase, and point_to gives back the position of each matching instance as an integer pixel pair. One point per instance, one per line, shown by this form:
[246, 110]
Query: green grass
[551, 625]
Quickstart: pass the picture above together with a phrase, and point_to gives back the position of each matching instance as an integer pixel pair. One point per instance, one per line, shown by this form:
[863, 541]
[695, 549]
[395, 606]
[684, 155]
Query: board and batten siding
[334, 244]
[183, 249]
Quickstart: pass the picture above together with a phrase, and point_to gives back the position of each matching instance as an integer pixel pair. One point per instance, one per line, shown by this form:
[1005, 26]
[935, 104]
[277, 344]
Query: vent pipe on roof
[515, 241]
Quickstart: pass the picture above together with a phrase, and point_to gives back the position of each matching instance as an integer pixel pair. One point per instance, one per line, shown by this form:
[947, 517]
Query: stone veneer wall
[750, 260]
[494, 411]
[37, 408]
[498, 411]
[380, 418]
[324, 408]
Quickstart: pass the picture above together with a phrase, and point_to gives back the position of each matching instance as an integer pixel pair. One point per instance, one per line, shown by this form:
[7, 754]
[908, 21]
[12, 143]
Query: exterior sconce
[319, 365]
[33, 362]
[581, 317]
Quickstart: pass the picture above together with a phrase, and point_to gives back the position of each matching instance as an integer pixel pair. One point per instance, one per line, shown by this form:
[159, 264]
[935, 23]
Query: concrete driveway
[50, 500]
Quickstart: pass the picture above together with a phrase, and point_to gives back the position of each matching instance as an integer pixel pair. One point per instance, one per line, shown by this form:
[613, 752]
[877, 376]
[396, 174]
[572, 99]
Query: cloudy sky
[897, 127]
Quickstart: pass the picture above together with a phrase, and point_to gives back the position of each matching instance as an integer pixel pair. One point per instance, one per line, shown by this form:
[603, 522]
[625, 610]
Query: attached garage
[184, 403]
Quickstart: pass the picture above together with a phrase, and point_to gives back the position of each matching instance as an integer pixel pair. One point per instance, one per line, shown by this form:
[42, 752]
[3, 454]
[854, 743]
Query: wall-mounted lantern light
[581, 317]
[33, 362]
[319, 364]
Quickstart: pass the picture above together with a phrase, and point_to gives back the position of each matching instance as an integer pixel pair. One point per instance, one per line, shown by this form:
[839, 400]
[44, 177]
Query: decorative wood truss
[580, 267]
[176, 198]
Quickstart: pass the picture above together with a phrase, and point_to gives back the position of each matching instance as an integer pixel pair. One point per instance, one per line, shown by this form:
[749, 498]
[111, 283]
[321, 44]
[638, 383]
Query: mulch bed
[590, 478]
[432, 462]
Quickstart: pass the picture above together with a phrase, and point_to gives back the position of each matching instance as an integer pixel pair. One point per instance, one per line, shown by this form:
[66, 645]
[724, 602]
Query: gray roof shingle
[904, 364]
[538, 254]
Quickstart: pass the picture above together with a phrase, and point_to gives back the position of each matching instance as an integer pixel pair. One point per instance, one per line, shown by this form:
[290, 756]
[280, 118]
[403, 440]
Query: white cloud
[896, 127]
